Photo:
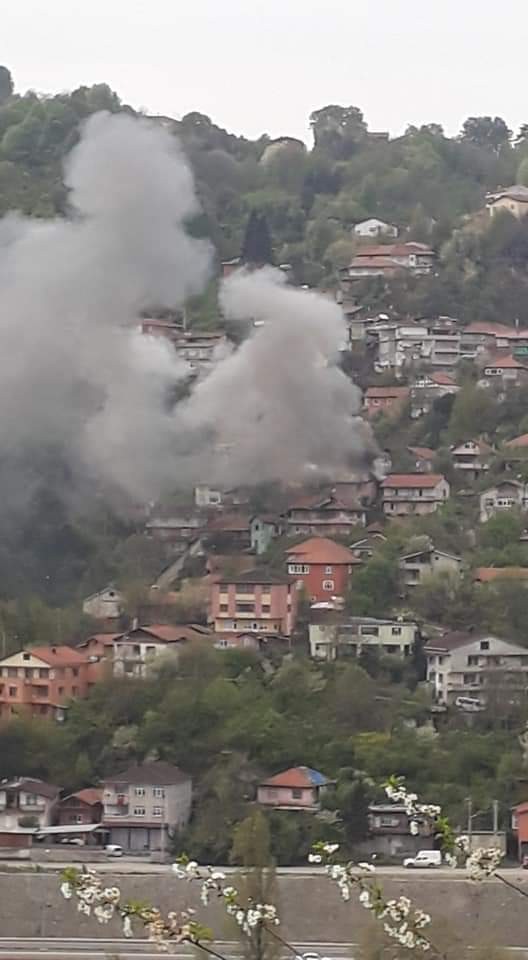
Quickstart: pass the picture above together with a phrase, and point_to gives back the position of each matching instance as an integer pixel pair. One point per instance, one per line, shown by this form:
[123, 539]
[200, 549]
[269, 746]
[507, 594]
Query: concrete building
[505, 495]
[462, 665]
[413, 494]
[333, 636]
[373, 227]
[385, 260]
[513, 200]
[322, 568]
[257, 601]
[145, 805]
[299, 788]
[471, 458]
[504, 371]
[420, 564]
[330, 514]
[135, 650]
[41, 681]
[22, 798]
[106, 605]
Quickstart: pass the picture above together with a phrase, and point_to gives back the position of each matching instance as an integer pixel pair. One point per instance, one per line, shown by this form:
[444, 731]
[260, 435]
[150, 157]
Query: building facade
[27, 799]
[461, 665]
[85, 806]
[413, 494]
[333, 637]
[145, 805]
[258, 601]
[42, 680]
[421, 564]
[321, 567]
[299, 788]
[507, 495]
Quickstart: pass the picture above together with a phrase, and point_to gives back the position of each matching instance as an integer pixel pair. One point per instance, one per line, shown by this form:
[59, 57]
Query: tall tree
[6, 84]
[256, 247]
[252, 850]
[490, 132]
[338, 130]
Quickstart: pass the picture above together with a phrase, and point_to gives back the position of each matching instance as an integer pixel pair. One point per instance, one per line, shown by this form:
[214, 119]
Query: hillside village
[287, 646]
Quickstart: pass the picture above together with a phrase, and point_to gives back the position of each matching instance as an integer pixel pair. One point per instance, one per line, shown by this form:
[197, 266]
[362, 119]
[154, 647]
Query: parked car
[424, 858]
[73, 841]
[113, 850]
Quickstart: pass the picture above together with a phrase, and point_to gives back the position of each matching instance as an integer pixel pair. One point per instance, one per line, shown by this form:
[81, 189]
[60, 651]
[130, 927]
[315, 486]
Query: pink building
[258, 601]
[298, 788]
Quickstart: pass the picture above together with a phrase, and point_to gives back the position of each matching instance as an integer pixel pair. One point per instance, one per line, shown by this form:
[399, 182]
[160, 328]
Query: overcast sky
[261, 66]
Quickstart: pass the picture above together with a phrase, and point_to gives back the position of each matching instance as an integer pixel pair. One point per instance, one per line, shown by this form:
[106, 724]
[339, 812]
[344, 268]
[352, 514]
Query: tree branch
[523, 893]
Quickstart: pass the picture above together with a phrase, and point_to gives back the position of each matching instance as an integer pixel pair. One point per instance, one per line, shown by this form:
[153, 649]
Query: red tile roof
[90, 795]
[297, 778]
[521, 441]
[505, 363]
[412, 480]
[322, 550]
[393, 250]
[58, 656]
[489, 574]
[443, 379]
[168, 632]
[376, 263]
[385, 393]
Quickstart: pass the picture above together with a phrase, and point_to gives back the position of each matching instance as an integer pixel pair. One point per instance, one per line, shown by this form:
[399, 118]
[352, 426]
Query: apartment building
[460, 664]
[42, 680]
[408, 494]
[147, 803]
[257, 601]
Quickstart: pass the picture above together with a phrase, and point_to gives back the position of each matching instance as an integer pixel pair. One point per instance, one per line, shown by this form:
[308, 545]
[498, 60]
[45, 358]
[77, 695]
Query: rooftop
[413, 480]
[521, 441]
[423, 453]
[505, 363]
[297, 778]
[156, 773]
[90, 795]
[489, 574]
[256, 576]
[322, 550]
[58, 656]
[387, 392]
[31, 785]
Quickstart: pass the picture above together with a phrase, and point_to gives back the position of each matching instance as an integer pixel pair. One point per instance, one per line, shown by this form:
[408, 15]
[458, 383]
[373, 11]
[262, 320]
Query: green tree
[256, 247]
[490, 132]
[257, 884]
[522, 172]
[338, 130]
[6, 84]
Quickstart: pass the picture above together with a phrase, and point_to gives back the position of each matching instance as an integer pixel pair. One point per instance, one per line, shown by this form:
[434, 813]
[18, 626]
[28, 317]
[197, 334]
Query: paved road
[30, 949]
[129, 865]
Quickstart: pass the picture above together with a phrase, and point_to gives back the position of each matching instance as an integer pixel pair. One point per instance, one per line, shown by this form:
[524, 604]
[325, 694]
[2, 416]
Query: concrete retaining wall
[310, 907]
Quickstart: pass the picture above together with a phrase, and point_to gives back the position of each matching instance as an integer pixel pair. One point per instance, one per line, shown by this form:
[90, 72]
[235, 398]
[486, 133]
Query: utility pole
[469, 803]
[495, 817]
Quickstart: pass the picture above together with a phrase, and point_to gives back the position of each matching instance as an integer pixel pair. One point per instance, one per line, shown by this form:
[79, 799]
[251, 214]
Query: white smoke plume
[77, 377]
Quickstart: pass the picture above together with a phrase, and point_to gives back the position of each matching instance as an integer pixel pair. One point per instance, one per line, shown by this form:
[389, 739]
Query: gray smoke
[76, 375]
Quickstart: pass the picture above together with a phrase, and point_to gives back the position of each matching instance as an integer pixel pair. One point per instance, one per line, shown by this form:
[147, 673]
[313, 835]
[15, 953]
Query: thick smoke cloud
[78, 378]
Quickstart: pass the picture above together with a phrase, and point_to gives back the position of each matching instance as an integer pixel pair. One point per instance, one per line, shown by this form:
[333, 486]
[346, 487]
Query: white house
[107, 604]
[332, 637]
[506, 495]
[426, 562]
[26, 797]
[460, 664]
[375, 228]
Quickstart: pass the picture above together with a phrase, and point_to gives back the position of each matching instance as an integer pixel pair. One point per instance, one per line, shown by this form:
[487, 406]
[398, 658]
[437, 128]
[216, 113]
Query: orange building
[41, 680]
[258, 601]
[520, 825]
[322, 567]
[385, 399]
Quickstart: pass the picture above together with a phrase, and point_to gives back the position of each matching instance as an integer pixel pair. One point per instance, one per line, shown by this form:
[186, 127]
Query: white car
[424, 858]
[113, 850]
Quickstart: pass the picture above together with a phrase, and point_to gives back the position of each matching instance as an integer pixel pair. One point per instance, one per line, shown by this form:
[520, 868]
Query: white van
[113, 850]
[471, 704]
[424, 858]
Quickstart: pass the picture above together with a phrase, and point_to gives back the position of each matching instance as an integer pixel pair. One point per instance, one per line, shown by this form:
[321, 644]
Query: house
[357, 485]
[299, 788]
[481, 336]
[506, 371]
[375, 228]
[85, 806]
[257, 601]
[513, 199]
[206, 496]
[105, 605]
[333, 636]
[520, 828]
[461, 664]
[201, 349]
[390, 834]
[423, 458]
[389, 400]
[471, 458]
[366, 546]
[445, 339]
[144, 806]
[426, 562]
[27, 798]
[413, 494]
[263, 529]
[175, 529]
[429, 387]
[134, 650]
[506, 495]
[384, 260]
[321, 514]
[230, 532]
[322, 567]
[498, 574]
[42, 680]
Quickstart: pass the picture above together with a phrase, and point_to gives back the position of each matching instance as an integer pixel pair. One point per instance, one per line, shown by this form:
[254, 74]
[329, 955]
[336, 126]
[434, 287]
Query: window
[26, 656]
[12, 691]
[472, 661]
[75, 691]
[245, 608]
[265, 608]
[139, 792]
[28, 672]
[396, 631]
[368, 631]
[296, 794]
[469, 679]
[43, 673]
[157, 811]
[139, 811]
[61, 691]
[11, 671]
[224, 608]
[75, 671]
[328, 570]
[328, 584]
[297, 568]
[158, 792]
[484, 645]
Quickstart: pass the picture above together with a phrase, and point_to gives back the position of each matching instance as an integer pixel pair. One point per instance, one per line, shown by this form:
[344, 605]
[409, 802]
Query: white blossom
[363, 865]
[450, 859]
[314, 858]
[330, 848]
[66, 890]
[483, 862]
[364, 899]
[414, 827]
[127, 927]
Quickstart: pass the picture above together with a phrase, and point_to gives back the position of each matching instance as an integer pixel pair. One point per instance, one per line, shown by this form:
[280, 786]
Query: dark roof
[38, 787]
[154, 773]
[451, 640]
